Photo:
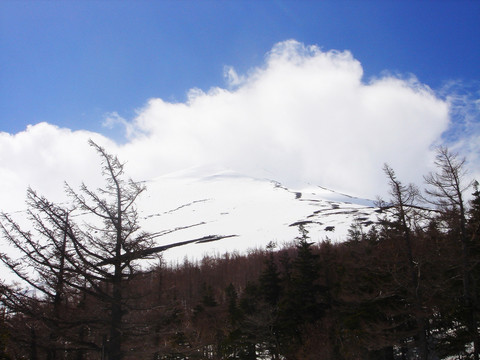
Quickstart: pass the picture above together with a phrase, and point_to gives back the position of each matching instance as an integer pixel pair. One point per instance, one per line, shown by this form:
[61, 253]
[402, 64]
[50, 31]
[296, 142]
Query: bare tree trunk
[115, 343]
[57, 300]
[95, 257]
[403, 197]
[115, 346]
[447, 194]
[33, 344]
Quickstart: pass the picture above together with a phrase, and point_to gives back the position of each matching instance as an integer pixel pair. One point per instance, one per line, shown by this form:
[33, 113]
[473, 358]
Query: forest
[408, 288]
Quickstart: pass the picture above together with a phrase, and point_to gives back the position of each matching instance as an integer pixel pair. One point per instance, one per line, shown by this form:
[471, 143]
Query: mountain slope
[228, 212]
[255, 211]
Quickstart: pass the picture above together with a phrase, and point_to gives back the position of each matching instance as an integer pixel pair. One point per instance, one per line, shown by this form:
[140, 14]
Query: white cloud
[44, 157]
[114, 119]
[463, 134]
[305, 115]
[232, 76]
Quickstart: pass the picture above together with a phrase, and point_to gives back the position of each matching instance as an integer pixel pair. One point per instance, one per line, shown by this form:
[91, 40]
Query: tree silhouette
[446, 193]
[95, 256]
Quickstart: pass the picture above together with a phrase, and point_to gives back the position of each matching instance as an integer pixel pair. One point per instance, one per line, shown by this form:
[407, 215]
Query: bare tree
[403, 207]
[446, 192]
[107, 252]
[41, 265]
[109, 234]
[96, 255]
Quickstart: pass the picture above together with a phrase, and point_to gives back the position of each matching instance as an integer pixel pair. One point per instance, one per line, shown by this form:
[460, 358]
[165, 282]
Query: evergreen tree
[243, 335]
[301, 304]
[270, 280]
[474, 216]
[234, 312]
[355, 232]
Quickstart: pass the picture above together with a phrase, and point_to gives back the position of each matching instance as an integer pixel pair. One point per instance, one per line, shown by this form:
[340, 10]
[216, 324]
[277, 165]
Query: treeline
[405, 289]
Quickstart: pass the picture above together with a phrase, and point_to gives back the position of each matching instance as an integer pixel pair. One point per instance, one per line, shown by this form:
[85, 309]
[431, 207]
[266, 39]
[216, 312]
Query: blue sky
[318, 92]
[71, 62]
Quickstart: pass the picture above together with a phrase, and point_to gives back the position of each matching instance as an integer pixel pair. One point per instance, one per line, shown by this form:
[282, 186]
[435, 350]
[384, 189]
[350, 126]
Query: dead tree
[41, 266]
[96, 255]
[405, 214]
[445, 192]
[109, 244]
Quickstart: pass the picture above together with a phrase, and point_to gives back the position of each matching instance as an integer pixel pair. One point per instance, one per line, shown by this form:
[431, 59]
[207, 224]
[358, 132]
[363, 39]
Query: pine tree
[474, 216]
[301, 303]
[243, 335]
[270, 280]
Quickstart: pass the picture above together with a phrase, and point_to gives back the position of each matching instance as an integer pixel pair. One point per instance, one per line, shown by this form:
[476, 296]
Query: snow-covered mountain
[255, 211]
[244, 212]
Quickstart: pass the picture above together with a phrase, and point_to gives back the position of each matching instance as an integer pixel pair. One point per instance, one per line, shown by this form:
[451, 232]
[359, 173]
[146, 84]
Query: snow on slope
[256, 211]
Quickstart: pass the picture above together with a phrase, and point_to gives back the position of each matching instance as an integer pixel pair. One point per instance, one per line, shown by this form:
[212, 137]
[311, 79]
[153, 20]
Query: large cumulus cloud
[303, 116]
